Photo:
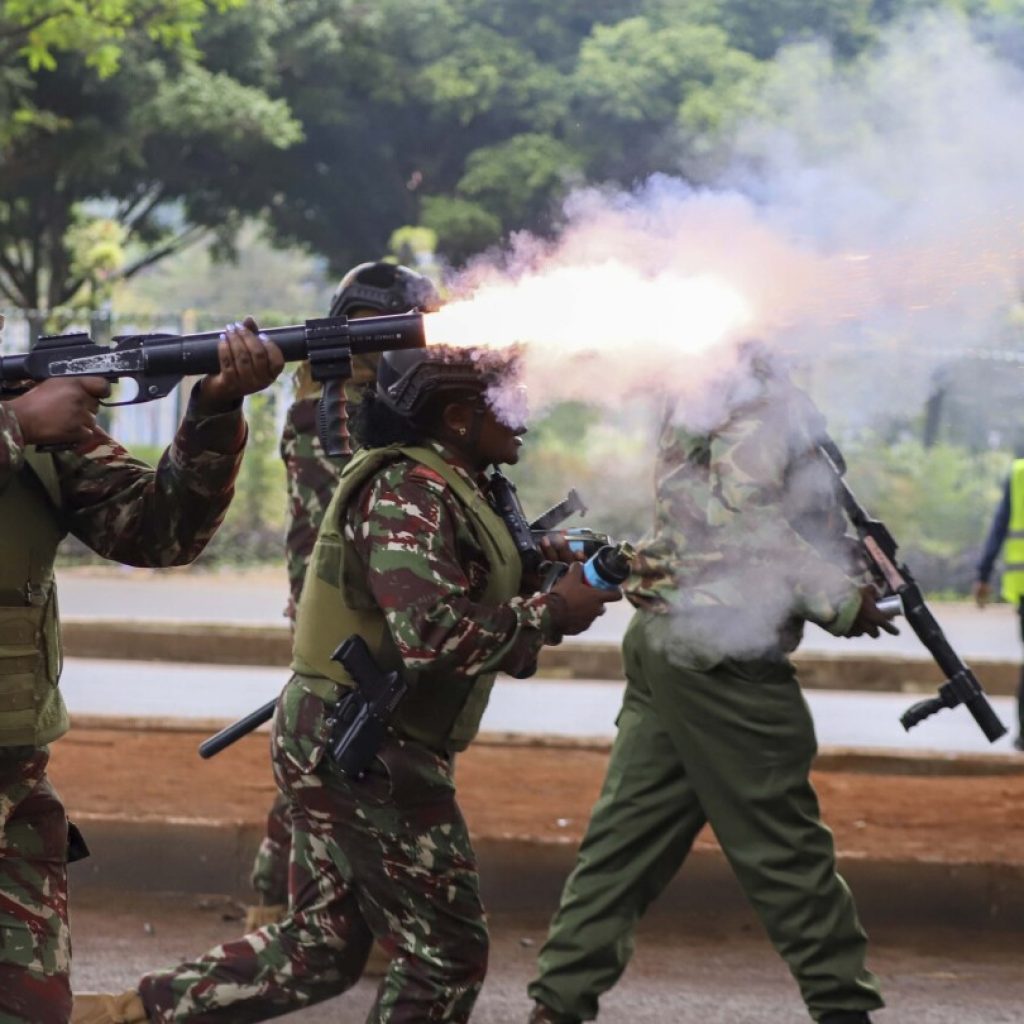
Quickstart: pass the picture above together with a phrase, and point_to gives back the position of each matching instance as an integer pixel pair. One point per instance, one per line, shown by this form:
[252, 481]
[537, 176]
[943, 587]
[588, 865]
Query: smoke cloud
[867, 226]
[868, 209]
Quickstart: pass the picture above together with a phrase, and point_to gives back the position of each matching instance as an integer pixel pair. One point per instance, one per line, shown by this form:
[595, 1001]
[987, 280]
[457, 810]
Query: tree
[34, 32]
[161, 149]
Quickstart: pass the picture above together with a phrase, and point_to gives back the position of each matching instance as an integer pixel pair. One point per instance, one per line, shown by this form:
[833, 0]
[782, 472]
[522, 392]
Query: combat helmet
[385, 288]
[409, 379]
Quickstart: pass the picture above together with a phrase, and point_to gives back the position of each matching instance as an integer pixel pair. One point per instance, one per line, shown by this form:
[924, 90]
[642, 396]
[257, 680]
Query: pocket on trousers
[416, 776]
[301, 730]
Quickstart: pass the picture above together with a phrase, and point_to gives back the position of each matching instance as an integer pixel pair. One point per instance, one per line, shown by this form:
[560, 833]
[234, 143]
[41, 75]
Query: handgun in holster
[361, 718]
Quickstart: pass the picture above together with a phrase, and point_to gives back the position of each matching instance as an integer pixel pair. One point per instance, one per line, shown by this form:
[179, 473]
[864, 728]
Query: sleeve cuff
[552, 617]
[223, 432]
[840, 625]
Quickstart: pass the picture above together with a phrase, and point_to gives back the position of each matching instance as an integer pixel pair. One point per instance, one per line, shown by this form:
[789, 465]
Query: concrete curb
[525, 874]
[270, 646]
[862, 760]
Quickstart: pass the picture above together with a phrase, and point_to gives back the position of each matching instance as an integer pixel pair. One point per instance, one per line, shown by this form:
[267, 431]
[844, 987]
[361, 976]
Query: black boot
[845, 1017]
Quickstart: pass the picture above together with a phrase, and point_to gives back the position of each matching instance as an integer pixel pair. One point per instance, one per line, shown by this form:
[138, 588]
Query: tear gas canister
[609, 568]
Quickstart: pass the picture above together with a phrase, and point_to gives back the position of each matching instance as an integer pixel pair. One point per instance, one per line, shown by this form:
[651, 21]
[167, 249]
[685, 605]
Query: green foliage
[97, 29]
[937, 502]
[167, 146]
[196, 280]
[462, 227]
[253, 529]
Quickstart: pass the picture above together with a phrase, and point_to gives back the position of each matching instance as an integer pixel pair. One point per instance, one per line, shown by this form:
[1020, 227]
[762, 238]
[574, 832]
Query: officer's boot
[845, 1017]
[545, 1015]
[104, 1008]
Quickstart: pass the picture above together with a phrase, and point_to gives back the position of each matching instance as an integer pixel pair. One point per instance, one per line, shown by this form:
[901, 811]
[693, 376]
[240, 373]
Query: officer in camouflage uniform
[411, 557]
[369, 289]
[123, 510]
[747, 546]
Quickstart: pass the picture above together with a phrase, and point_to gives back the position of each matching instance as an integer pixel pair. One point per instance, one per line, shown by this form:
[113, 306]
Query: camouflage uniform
[747, 545]
[311, 478]
[124, 510]
[388, 856]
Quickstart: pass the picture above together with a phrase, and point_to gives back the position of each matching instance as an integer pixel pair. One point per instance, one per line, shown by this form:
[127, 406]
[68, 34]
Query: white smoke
[868, 226]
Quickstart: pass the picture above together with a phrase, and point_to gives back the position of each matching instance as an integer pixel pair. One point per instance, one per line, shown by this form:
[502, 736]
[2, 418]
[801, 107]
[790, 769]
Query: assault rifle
[879, 549]
[528, 535]
[158, 362]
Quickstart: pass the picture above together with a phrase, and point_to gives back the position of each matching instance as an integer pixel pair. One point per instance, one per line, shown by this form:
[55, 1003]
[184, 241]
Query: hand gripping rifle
[527, 535]
[158, 362]
[879, 548]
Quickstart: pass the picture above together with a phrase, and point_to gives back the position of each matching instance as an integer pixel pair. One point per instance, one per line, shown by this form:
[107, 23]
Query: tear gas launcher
[158, 362]
[880, 550]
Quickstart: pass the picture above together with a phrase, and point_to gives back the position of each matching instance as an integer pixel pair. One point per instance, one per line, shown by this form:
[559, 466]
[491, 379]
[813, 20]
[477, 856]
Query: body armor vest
[32, 711]
[442, 712]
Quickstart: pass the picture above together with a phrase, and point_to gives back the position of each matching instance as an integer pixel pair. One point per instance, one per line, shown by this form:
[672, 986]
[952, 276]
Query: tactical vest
[32, 711]
[442, 712]
[1013, 549]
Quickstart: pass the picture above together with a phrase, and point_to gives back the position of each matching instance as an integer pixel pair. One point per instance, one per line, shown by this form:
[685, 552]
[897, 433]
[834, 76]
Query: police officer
[411, 557]
[369, 289]
[748, 545]
[1007, 533]
[124, 510]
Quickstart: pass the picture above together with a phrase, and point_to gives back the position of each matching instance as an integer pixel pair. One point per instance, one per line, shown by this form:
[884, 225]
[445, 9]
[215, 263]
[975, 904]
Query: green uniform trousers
[732, 745]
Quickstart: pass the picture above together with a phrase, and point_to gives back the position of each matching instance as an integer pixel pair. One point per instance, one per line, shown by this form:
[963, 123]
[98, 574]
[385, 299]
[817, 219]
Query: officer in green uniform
[412, 557]
[747, 546]
[124, 510]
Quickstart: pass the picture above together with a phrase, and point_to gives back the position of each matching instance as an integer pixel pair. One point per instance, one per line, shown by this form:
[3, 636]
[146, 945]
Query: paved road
[258, 597]
[581, 708]
[702, 972]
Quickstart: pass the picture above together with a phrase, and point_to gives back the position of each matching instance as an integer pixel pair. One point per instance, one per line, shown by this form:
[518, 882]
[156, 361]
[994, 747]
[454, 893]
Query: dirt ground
[536, 792]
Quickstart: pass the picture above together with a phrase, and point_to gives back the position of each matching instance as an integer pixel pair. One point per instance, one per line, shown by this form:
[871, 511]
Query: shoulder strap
[42, 465]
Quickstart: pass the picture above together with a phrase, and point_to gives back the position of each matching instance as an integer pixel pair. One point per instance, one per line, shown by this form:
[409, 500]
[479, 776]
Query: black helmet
[409, 378]
[386, 288]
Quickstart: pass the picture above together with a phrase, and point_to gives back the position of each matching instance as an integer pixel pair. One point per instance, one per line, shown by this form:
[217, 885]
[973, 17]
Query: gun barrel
[236, 730]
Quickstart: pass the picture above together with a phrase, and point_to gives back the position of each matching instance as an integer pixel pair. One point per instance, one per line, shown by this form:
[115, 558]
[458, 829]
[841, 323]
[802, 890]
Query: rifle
[158, 362]
[528, 535]
[879, 548]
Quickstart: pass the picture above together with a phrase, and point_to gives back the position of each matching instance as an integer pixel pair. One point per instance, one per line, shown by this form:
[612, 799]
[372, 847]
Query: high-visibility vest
[1013, 549]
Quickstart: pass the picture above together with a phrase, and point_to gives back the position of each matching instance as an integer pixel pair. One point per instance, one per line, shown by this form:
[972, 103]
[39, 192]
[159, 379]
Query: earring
[462, 431]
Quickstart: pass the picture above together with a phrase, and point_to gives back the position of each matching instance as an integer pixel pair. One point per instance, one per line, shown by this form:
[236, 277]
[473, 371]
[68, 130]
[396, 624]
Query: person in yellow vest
[412, 558]
[1007, 533]
[124, 510]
